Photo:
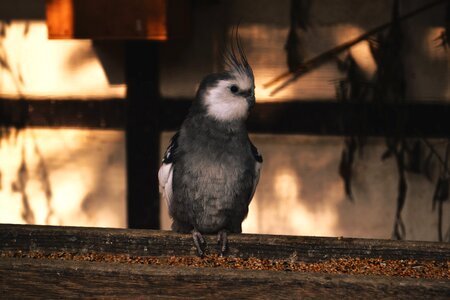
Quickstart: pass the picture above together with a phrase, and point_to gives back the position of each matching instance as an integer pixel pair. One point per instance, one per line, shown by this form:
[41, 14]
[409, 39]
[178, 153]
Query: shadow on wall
[63, 177]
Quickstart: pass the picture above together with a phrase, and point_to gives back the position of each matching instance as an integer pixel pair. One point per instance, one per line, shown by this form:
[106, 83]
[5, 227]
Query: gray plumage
[210, 170]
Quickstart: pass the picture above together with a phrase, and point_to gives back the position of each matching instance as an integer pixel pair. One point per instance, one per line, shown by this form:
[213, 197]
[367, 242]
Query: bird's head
[229, 96]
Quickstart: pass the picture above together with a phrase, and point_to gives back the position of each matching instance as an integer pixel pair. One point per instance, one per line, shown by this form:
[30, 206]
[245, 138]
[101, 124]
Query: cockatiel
[211, 168]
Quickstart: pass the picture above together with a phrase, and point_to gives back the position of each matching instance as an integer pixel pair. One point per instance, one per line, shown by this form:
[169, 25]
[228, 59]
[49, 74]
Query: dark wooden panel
[22, 10]
[165, 243]
[25, 278]
[117, 19]
[299, 117]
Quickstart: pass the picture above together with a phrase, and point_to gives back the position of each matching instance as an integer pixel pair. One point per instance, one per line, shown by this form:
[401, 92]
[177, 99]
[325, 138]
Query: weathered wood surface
[27, 278]
[23, 278]
[165, 243]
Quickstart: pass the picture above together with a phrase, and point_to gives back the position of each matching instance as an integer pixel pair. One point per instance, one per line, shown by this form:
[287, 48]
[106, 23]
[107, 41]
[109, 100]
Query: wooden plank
[42, 278]
[299, 117]
[117, 19]
[67, 113]
[48, 239]
[335, 118]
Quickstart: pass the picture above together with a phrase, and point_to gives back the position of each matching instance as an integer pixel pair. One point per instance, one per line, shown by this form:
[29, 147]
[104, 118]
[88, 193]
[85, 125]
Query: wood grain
[166, 243]
[25, 278]
[43, 278]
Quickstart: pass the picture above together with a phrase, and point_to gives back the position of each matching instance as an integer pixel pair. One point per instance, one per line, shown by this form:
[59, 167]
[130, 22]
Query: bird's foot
[199, 242]
[222, 241]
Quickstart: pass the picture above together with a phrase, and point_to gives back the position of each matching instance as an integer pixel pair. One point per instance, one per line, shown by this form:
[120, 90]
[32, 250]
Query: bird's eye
[234, 89]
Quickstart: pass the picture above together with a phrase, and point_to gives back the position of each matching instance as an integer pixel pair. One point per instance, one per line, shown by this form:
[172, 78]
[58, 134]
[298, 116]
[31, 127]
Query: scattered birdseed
[353, 266]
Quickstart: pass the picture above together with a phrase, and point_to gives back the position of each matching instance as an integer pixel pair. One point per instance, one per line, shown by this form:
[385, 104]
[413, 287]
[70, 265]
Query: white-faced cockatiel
[211, 168]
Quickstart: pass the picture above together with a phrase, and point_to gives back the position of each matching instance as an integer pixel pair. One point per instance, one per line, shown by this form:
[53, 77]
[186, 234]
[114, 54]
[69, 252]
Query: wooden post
[142, 134]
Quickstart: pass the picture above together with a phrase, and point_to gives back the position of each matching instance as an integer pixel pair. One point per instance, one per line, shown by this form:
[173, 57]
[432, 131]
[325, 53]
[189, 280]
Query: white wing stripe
[165, 175]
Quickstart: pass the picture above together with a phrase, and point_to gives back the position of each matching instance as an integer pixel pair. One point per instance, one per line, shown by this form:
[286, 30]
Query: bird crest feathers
[236, 60]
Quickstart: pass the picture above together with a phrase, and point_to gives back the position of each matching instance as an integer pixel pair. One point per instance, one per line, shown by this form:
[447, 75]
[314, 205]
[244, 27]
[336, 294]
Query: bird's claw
[222, 242]
[199, 242]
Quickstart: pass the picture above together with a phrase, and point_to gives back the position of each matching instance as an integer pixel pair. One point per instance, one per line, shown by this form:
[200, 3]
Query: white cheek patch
[223, 105]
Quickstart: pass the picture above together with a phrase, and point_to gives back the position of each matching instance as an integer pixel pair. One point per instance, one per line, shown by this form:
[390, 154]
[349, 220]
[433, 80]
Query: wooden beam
[63, 113]
[333, 118]
[53, 278]
[295, 117]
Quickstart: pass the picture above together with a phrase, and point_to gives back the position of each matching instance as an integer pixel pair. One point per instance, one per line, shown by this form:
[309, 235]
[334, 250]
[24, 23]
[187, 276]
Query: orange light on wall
[157, 20]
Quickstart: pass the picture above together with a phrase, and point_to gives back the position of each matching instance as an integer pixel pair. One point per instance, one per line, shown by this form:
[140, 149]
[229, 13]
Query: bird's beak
[251, 101]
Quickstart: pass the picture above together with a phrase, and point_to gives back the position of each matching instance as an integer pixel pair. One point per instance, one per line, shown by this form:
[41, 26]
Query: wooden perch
[166, 243]
[53, 278]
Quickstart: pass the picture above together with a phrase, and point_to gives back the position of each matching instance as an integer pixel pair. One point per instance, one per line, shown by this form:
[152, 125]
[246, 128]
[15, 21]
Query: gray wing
[258, 164]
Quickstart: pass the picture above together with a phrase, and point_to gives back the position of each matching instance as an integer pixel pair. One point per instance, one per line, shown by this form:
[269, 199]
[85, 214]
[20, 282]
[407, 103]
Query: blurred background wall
[70, 176]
